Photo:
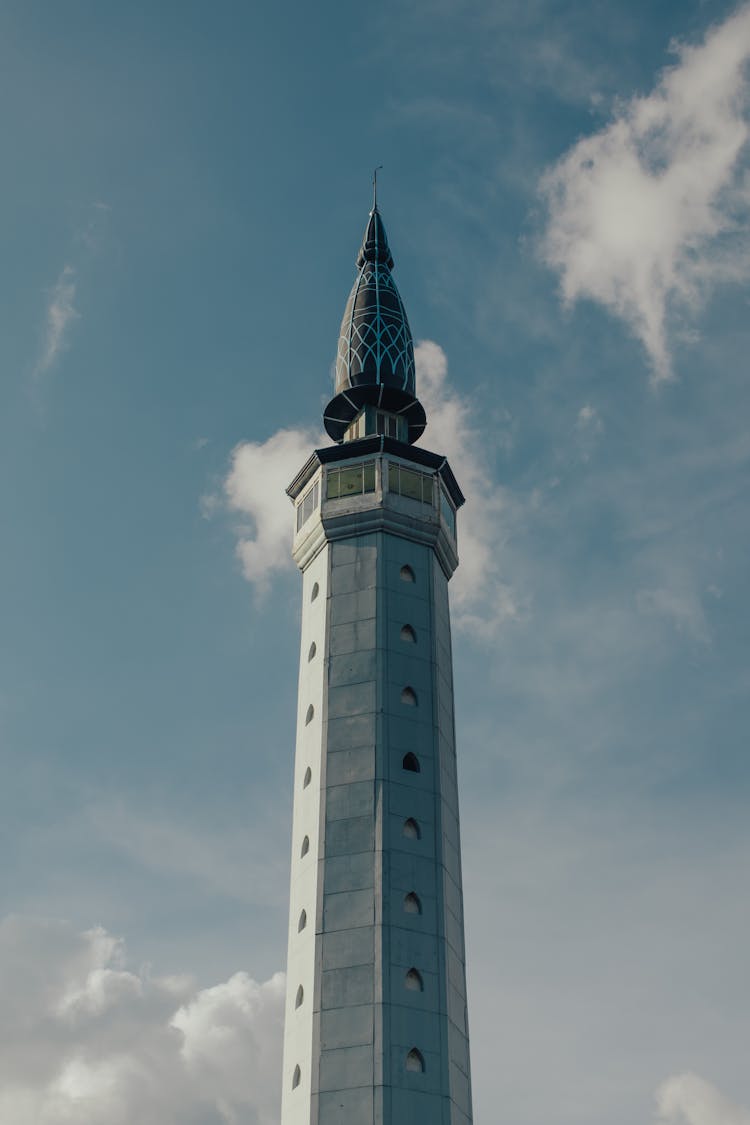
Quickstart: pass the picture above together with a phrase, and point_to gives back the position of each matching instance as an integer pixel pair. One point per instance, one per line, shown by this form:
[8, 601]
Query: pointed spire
[375, 360]
[375, 246]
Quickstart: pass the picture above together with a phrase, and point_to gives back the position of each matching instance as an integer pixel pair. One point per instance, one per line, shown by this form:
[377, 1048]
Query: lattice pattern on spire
[375, 342]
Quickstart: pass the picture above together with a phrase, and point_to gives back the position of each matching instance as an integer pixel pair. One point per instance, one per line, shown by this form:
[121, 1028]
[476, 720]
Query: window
[309, 715]
[315, 592]
[299, 997]
[415, 1061]
[297, 1077]
[407, 574]
[302, 922]
[307, 505]
[313, 650]
[305, 846]
[413, 981]
[409, 483]
[352, 480]
[447, 512]
[411, 763]
[386, 424]
[408, 634]
[308, 778]
[412, 905]
[411, 829]
[409, 697]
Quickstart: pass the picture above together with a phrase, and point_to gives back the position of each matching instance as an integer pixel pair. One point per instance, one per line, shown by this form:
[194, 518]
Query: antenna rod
[375, 187]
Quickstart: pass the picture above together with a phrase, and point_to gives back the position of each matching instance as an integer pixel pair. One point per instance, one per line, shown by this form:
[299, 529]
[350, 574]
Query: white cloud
[260, 472]
[86, 1041]
[255, 486]
[649, 214]
[686, 1099]
[482, 598]
[61, 312]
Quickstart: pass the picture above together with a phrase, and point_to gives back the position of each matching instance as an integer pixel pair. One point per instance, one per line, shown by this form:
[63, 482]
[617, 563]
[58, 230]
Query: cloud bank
[260, 471]
[86, 1041]
[647, 216]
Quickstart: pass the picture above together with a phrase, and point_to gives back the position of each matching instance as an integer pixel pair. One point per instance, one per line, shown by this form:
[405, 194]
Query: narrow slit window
[412, 905]
[305, 846]
[411, 763]
[413, 981]
[415, 1061]
[315, 591]
[312, 651]
[299, 997]
[411, 829]
[309, 715]
[296, 1077]
[407, 574]
[408, 634]
[302, 922]
[307, 778]
[409, 697]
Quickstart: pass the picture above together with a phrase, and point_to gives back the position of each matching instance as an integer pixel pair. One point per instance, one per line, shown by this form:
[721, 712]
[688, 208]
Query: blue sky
[184, 189]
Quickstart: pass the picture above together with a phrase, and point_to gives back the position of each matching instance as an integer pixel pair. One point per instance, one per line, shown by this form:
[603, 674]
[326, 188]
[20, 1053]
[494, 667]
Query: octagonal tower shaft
[376, 1028]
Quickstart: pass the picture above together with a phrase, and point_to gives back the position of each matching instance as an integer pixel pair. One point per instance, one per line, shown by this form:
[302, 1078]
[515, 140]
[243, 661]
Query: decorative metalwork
[375, 343]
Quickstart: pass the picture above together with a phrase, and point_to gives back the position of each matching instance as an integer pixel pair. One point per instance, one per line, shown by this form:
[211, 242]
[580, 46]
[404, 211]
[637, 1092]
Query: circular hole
[409, 697]
[302, 922]
[413, 981]
[408, 634]
[307, 778]
[411, 829]
[299, 997]
[313, 650]
[407, 574]
[314, 592]
[305, 846]
[411, 763]
[412, 905]
[310, 713]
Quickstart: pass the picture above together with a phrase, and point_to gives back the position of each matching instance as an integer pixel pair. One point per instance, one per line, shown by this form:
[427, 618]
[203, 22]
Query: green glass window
[449, 516]
[410, 483]
[352, 480]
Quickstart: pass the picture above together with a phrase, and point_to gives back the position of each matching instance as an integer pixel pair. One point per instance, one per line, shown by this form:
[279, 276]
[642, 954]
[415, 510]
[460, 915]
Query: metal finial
[375, 187]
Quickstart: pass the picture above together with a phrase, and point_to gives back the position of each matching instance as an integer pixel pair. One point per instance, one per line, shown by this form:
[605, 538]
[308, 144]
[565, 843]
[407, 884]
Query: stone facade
[376, 1020]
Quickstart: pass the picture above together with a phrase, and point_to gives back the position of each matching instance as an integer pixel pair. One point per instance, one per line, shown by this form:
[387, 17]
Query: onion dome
[375, 358]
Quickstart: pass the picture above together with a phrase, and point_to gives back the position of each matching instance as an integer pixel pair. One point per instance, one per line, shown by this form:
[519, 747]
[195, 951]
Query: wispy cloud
[61, 313]
[648, 215]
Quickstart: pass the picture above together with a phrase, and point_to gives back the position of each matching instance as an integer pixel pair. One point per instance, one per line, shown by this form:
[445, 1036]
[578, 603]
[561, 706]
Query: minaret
[376, 1026]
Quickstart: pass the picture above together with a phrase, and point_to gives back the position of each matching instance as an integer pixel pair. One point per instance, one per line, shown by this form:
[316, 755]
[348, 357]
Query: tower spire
[375, 358]
[375, 187]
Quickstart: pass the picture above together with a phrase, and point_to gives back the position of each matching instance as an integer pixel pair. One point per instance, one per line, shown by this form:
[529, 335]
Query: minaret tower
[376, 1026]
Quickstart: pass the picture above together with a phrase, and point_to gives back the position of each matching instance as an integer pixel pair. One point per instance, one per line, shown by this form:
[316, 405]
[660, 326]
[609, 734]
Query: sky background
[566, 192]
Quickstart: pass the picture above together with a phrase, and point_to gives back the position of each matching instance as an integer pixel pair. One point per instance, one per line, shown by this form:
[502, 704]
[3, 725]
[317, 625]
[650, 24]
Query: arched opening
[413, 981]
[297, 1077]
[313, 650]
[309, 715]
[305, 846]
[409, 697]
[411, 829]
[315, 591]
[307, 778]
[302, 922]
[407, 574]
[408, 634]
[412, 905]
[415, 1061]
[299, 997]
[411, 763]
